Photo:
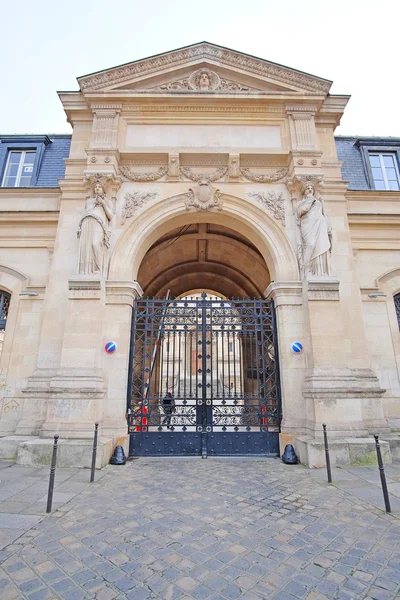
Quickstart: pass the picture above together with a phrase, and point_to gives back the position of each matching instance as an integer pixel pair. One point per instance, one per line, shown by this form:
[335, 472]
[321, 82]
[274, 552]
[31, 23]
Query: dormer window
[19, 168]
[385, 172]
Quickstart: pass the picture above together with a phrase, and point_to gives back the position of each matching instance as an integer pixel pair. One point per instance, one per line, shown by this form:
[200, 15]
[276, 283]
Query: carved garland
[280, 174]
[132, 176]
[186, 172]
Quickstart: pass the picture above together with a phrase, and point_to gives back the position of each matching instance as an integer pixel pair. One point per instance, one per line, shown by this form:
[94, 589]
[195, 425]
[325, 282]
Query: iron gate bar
[219, 359]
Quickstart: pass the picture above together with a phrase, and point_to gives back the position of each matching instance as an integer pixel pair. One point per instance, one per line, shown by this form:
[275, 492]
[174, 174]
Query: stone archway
[207, 256]
[256, 253]
[251, 222]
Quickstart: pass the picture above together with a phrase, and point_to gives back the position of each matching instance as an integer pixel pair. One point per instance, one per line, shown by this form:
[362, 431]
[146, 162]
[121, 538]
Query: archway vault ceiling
[203, 255]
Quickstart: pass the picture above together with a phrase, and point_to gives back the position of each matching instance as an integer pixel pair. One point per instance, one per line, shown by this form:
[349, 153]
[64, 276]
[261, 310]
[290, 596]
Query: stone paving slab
[215, 529]
[12, 521]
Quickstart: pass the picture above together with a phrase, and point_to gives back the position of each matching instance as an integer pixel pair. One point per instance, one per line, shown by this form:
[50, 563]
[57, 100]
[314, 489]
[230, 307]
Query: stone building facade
[199, 170]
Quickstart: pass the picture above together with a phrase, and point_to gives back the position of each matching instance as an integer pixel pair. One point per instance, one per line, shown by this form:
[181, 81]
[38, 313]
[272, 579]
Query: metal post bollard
[52, 475]
[328, 460]
[382, 474]
[96, 427]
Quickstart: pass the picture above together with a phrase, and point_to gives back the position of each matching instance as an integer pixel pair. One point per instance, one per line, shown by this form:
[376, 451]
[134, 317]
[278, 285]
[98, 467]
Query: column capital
[285, 292]
[122, 292]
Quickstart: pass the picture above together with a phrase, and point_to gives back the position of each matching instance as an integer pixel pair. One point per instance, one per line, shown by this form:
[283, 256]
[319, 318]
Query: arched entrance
[203, 377]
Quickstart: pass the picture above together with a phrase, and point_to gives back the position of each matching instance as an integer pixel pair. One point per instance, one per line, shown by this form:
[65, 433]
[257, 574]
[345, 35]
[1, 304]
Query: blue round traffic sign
[296, 347]
[110, 347]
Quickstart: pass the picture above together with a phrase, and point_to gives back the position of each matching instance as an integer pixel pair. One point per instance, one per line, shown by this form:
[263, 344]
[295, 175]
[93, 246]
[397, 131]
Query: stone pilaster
[120, 300]
[287, 297]
[105, 125]
[302, 127]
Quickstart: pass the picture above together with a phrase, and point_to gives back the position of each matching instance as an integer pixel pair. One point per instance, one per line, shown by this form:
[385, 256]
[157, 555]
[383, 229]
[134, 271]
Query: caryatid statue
[315, 233]
[94, 232]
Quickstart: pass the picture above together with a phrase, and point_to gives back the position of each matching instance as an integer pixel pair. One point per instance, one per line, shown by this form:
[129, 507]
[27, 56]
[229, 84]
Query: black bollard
[328, 460]
[96, 427]
[52, 475]
[382, 474]
[289, 456]
[118, 458]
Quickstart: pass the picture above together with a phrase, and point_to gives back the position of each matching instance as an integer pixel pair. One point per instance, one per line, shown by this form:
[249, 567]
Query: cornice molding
[45, 216]
[31, 192]
[373, 195]
[204, 108]
[202, 52]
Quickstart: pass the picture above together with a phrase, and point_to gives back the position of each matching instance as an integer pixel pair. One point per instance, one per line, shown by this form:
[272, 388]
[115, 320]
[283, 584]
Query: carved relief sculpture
[204, 196]
[218, 174]
[315, 234]
[204, 80]
[173, 166]
[127, 173]
[135, 200]
[274, 202]
[94, 232]
[234, 166]
[259, 178]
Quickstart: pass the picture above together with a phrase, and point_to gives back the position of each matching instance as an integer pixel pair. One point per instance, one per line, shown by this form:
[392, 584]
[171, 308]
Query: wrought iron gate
[204, 377]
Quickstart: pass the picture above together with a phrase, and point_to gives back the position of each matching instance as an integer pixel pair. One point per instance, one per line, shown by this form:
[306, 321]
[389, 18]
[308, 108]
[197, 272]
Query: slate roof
[52, 166]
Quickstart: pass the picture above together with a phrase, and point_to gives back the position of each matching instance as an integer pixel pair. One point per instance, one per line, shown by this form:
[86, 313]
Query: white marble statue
[315, 232]
[94, 233]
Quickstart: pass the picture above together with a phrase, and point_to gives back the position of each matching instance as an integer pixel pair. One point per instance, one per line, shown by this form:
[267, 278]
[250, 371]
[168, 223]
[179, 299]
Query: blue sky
[47, 44]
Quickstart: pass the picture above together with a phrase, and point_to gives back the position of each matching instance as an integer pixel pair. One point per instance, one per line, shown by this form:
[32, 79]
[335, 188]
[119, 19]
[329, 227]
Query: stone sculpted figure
[315, 233]
[204, 81]
[94, 232]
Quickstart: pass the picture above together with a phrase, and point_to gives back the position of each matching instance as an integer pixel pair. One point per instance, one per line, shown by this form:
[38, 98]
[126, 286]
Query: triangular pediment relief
[203, 68]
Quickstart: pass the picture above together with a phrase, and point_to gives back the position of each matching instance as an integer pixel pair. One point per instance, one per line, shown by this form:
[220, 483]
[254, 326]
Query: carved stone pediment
[204, 80]
[181, 71]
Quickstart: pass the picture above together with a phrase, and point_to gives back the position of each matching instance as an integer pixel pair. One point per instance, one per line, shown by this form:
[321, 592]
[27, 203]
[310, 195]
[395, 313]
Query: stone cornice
[202, 52]
[30, 192]
[372, 195]
[45, 216]
[364, 218]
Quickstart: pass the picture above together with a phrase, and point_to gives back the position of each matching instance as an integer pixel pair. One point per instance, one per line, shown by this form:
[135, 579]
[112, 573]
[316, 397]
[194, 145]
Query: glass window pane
[12, 170]
[380, 185]
[377, 174]
[29, 158]
[9, 181]
[394, 185]
[391, 174]
[15, 157]
[24, 181]
[374, 160]
[388, 160]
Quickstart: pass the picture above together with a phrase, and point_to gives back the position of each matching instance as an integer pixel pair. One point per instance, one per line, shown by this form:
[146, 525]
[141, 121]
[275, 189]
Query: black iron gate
[204, 377]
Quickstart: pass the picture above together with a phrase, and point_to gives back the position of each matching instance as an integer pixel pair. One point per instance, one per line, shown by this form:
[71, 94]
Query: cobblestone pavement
[216, 529]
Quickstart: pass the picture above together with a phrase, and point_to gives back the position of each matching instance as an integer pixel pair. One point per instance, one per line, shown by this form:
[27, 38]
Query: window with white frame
[385, 172]
[19, 168]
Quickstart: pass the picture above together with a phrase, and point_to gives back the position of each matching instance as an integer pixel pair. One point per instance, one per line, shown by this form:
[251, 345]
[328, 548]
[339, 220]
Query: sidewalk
[192, 529]
[23, 495]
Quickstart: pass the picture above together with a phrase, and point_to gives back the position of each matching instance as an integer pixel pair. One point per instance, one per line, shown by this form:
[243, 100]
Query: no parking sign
[110, 347]
[296, 347]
